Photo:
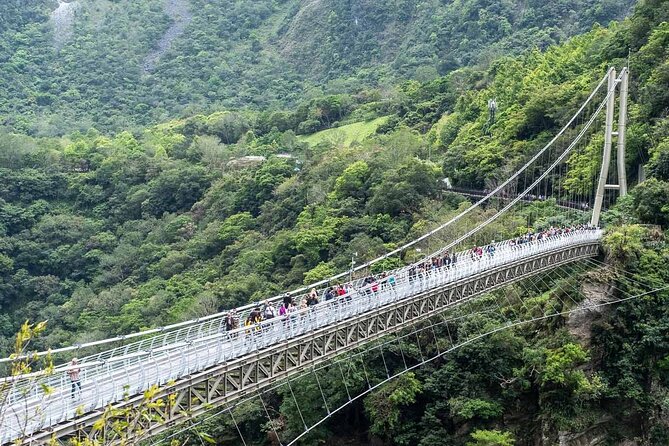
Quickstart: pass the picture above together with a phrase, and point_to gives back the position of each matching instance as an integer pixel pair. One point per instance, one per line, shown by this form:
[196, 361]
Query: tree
[651, 200]
[228, 126]
[210, 150]
[321, 271]
[176, 189]
[353, 181]
[385, 407]
[403, 190]
[23, 366]
[658, 166]
[234, 227]
[491, 438]
[467, 409]
[625, 244]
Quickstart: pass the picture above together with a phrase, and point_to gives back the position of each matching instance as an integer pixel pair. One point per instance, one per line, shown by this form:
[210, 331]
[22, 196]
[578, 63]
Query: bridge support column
[622, 127]
[602, 185]
[606, 155]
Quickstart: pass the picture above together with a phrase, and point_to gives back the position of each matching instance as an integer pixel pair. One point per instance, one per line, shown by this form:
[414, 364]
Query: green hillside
[106, 233]
[123, 64]
[346, 134]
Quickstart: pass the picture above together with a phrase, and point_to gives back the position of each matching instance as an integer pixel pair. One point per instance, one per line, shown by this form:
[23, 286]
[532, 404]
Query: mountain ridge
[262, 54]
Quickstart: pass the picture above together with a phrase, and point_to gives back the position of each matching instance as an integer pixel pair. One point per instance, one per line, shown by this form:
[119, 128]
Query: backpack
[269, 312]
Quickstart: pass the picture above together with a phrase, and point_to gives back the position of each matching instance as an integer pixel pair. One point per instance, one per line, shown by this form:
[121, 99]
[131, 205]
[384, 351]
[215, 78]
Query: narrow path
[179, 12]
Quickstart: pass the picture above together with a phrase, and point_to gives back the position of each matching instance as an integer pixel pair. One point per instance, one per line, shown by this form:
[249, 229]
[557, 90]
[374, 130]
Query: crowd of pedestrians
[372, 284]
[340, 294]
[289, 304]
[531, 236]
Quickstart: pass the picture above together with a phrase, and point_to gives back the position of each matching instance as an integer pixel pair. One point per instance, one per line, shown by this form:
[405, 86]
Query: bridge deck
[216, 367]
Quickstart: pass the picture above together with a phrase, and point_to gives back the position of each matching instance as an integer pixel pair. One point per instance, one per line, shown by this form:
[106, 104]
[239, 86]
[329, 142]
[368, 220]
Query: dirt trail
[179, 12]
[62, 19]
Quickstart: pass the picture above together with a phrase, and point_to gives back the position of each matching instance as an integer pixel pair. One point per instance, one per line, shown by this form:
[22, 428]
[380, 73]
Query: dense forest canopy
[150, 209]
[171, 212]
[103, 71]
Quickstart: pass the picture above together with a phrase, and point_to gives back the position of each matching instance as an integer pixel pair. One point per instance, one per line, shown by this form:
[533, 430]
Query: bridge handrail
[225, 346]
[213, 325]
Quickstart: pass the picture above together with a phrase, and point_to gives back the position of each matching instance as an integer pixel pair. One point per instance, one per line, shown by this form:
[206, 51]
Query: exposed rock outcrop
[579, 323]
[179, 12]
[62, 20]
[595, 435]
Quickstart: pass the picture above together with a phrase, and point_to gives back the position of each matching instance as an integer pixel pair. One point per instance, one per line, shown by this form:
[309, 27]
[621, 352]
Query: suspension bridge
[199, 365]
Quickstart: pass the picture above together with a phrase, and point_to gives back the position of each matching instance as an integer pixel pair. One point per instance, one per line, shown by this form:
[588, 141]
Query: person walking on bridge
[490, 249]
[73, 372]
[230, 321]
[268, 311]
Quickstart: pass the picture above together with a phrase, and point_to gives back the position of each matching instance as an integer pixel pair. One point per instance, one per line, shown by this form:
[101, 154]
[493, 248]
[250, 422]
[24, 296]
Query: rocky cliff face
[579, 323]
[62, 19]
[179, 13]
[595, 435]
[596, 291]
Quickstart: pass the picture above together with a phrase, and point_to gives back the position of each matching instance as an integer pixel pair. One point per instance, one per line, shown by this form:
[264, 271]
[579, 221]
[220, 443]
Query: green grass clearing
[346, 134]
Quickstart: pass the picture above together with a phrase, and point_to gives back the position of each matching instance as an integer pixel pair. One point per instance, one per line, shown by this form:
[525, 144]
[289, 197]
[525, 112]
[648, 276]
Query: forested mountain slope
[104, 234]
[175, 211]
[124, 63]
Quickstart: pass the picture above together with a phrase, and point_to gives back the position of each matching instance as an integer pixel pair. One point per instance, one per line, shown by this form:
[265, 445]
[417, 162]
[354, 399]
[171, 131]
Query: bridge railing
[190, 333]
[208, 327]
[171, 357]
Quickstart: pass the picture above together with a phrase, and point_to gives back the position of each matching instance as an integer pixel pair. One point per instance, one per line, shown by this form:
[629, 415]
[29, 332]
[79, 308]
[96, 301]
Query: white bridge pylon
[613, 84]
[203, 365]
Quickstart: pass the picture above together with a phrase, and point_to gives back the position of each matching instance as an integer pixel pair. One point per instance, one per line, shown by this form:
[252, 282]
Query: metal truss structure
[226, 383]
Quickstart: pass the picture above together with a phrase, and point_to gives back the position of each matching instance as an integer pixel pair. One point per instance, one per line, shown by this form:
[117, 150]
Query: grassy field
[346, 134]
